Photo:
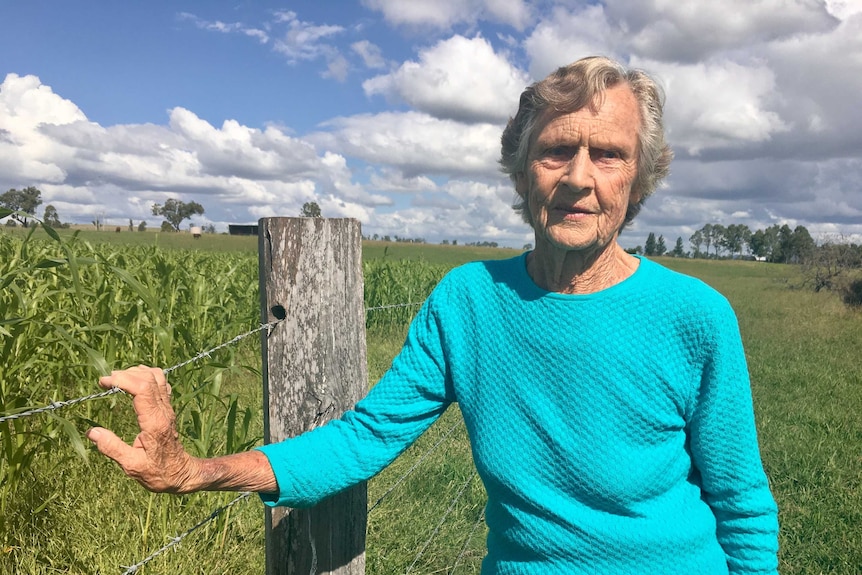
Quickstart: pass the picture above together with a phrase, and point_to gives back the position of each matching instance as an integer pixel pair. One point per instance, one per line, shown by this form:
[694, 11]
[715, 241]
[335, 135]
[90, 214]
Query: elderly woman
[606, 398]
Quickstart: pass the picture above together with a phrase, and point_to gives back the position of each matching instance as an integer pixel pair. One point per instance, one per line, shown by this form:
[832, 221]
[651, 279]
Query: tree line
[778, 244]
[833, 264]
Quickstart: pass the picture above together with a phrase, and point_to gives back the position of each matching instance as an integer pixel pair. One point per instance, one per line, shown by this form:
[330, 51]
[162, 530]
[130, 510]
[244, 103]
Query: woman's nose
[579, 171]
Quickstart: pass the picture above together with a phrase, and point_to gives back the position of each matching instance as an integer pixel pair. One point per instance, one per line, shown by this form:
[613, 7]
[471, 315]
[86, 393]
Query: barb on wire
[394, 305]
[442, 521]
[58, 404]
[131, 569]
[413, 467]
[208, 352]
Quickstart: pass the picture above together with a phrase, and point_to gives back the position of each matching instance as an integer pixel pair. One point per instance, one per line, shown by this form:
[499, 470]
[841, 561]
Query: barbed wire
[55, 405]
[476, 524]
[131, 569]
[59, 404]
[442, 521]
[414, 467]
[394, 305]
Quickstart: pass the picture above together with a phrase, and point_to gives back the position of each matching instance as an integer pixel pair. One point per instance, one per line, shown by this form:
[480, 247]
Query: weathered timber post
[313, 370]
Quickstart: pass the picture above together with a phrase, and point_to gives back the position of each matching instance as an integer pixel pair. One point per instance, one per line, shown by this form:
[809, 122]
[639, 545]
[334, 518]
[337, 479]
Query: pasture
[72, 309]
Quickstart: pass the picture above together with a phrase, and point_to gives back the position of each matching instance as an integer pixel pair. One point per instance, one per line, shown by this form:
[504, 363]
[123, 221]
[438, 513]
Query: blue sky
[391, 110]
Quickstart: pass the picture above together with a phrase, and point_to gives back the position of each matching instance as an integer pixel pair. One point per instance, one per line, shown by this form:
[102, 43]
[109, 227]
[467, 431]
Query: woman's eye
[605, 154]
[559, 154]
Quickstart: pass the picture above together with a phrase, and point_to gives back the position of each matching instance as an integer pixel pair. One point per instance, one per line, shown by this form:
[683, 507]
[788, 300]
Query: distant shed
[242, 229]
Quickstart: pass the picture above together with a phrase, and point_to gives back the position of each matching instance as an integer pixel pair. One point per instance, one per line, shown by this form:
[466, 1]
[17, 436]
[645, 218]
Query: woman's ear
[634, 196]
[522, 185]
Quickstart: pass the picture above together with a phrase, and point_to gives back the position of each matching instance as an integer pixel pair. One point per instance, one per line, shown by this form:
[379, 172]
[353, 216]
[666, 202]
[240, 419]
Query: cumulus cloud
[459, 78]
[691, 32]
[719, 104]
[761, 109]
[567, 36]
[415, 143]
[121, 170]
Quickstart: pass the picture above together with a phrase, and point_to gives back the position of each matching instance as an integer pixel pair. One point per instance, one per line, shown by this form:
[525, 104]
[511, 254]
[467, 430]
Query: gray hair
[576, 86]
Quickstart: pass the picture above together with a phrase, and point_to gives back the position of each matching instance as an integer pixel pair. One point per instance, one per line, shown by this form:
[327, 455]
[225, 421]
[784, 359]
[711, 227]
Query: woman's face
[580, 170]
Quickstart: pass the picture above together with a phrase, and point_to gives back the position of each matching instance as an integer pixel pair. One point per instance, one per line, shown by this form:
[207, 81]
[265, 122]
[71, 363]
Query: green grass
[803, 351]
[802, 348]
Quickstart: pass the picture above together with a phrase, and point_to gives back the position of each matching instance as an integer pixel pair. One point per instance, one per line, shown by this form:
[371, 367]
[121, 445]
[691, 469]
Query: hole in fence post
[279, 312]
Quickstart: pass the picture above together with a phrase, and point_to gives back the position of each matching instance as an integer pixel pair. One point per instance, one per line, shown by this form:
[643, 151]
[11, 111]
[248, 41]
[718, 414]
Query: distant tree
[131, 225]
[175, 211]
[310, 210]
[678, 249]
[454, 242]
[802, 245]
[23, 201]
[650, 246]
[208, 229]
[765, 243]
[528, 247]
[696, 240]
[660, 247]
[736, 237]
[142, 227]
[706, 234]
[167, 227]
[718, 233]
[444, 243]
[51, 218]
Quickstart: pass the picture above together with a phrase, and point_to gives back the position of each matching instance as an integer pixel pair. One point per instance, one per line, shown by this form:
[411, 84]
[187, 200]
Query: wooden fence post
[313, 370]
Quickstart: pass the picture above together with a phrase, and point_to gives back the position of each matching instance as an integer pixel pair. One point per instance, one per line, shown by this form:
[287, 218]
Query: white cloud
[458, 78]
[844, 9]
[119, 171]
[566, 36]
[718, 104]
[446, 13]
[303, 40]
[371, 54]
[765, 93]
[415, 143]
[692, 31]
[225, 27]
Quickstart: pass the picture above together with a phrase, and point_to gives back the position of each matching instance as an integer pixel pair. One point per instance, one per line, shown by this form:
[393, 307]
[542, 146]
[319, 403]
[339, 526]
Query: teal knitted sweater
[614, 432]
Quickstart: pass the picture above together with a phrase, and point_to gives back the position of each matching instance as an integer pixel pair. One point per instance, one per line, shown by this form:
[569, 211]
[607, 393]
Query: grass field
[802, 348]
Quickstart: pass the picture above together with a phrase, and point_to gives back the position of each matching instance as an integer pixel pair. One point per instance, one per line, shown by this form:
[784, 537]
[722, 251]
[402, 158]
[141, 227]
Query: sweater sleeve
[412, 394]
[724, 448]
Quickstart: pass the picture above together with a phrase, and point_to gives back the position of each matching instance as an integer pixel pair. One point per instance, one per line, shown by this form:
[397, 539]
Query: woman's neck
[576, 272]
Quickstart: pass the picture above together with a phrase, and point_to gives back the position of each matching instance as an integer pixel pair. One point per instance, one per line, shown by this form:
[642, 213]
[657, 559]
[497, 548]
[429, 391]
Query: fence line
[67, 403]
[131, 569]
[413, 468]
[58, 404]
[442, 521]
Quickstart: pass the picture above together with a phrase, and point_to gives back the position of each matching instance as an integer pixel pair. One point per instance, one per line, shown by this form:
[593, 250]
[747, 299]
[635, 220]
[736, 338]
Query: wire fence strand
[467, 540]
[442, 521]
[414, 467]
[131, 569]
[53, 406]
[59, 404]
